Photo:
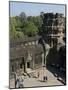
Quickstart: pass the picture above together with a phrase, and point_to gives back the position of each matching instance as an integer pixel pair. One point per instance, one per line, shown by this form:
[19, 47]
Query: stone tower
[53, 28]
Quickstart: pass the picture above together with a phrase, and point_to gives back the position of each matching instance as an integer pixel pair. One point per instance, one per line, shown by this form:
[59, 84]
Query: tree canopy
[30, 29]
[24, 25]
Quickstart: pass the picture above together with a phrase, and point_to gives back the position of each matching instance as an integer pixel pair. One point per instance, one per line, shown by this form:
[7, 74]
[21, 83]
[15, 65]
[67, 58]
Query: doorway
[28, 64]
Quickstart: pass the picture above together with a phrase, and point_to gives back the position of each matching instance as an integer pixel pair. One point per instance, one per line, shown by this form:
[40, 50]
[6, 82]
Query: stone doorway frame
[28, 64]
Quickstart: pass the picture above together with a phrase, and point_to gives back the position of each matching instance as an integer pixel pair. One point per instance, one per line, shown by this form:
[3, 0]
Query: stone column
[33, 61]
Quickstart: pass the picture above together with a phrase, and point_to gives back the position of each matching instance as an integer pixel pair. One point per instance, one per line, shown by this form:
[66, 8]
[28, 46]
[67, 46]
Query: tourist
[17, 83]
[21, 82]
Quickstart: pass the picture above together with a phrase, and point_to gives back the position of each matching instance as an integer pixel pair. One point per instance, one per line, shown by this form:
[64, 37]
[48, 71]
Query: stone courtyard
[38, 81]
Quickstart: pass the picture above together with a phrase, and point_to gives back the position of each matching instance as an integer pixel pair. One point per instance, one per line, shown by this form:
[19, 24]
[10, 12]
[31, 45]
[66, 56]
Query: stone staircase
[31, 73]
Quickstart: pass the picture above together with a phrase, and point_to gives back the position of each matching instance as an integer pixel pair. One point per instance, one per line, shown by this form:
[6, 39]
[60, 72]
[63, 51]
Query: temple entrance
[28, 64]
[28, 69]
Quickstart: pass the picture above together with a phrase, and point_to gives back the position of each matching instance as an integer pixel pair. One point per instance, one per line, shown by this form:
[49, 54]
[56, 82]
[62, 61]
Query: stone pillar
[25, 66]
[33, 62]
[52, 43]
[42, 59]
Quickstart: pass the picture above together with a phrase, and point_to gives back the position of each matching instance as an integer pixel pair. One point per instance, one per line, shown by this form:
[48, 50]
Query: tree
[15, 30]
[30, 29]
[13, 25]
[19, 34]
[18, 21]
[30, 18]
[23, 17]
[22, 25]
[37, 20]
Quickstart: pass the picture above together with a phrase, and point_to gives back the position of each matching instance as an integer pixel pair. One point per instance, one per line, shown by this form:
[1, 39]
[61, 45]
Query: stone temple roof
[18, 52]
[35, 49]
[23, 40]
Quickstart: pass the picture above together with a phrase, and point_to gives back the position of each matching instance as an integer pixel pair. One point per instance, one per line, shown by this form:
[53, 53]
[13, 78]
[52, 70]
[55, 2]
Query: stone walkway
[33, 82]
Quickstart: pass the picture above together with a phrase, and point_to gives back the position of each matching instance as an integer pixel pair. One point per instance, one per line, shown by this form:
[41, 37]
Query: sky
[34, 9]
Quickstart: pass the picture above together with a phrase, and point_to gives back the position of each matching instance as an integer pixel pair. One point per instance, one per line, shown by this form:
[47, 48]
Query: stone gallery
[25, 54]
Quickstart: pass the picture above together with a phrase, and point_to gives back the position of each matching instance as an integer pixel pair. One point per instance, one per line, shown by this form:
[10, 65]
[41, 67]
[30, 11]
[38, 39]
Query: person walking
[21, 82]
[17, 83]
